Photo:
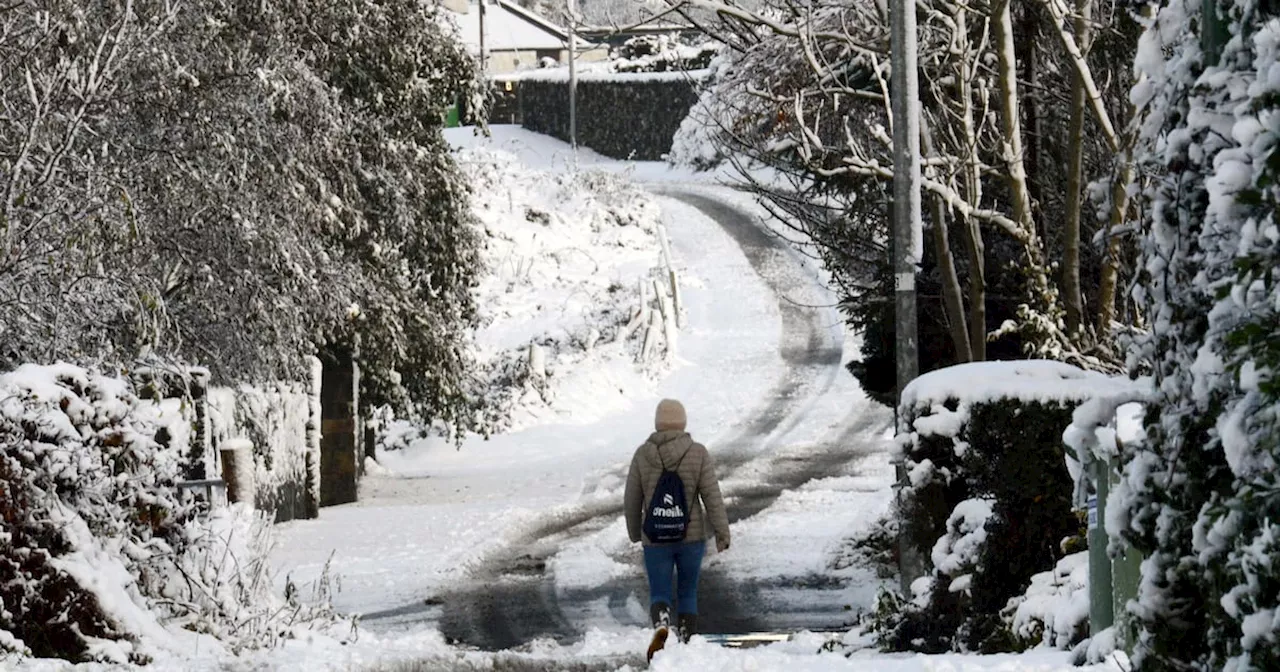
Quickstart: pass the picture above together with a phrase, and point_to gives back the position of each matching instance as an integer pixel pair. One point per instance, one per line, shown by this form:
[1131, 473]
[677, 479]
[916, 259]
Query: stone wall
[274, 419]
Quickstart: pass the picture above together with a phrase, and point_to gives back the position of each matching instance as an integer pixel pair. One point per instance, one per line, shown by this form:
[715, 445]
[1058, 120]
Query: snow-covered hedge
[309, 203]
[99, 552]
[1201, 496]
[989, 498]
[624, 116]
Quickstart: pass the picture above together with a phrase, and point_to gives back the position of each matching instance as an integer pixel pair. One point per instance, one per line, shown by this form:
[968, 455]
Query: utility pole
[484, 59]
[904, 90]
[573, 77]
[905, 93]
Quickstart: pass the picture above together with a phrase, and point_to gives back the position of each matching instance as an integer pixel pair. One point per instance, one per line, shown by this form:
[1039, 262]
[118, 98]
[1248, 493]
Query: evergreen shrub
[988, 499]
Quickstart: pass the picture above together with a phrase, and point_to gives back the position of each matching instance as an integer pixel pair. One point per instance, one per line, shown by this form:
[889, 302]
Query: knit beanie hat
[670, 415]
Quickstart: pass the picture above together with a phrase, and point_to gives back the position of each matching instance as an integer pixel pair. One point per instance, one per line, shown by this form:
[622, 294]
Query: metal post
[904, 91]
[1214, 32]
[573, 77]
[1101, 609]
[1126, 574]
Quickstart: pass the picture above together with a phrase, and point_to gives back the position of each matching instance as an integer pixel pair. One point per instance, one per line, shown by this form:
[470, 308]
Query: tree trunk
[951, 294]
[1029, 29]
[1071, 293]
[1122, 178]
[1002, 28]
[1111, 245]
[952, 300]
[1075, 55]
[973, 193]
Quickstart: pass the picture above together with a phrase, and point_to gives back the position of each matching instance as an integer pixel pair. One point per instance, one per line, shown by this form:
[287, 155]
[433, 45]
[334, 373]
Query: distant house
[514, 37]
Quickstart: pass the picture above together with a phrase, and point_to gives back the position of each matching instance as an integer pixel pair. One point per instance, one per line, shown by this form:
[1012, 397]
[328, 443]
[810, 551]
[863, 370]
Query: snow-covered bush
[989, 497]
[662, 53]
[100, 551]
[1054, 612]
[1199, 496]
[955, 556]
[239, 185]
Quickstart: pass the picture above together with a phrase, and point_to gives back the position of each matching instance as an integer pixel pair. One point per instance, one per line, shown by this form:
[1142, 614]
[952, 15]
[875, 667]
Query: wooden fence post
[238, 470]
[311, 462]
[201, 433]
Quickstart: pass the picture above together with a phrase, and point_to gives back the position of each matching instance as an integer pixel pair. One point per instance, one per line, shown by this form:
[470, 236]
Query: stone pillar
[339, 428]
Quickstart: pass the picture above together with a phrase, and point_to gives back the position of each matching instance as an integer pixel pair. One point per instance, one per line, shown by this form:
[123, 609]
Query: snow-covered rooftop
[510, 27]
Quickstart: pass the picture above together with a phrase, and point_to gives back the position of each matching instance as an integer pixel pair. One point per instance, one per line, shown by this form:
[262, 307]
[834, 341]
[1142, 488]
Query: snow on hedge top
[53, 387]
[1027, 380]
[562, 75]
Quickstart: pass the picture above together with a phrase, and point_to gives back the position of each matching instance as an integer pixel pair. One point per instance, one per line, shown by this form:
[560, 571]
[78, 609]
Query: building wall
[501, 62]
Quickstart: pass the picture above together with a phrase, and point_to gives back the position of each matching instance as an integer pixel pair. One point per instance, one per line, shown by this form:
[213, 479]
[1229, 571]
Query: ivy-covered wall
[619, 115]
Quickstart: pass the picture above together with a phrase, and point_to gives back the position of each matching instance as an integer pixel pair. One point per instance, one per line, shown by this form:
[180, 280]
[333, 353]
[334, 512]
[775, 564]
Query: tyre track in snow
[511, 597]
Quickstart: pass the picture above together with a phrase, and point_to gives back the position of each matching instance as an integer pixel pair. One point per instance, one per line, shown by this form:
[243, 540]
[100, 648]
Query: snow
[958, 550]
[103, 573]
[1030, 380]
[802, 533]
[475, 498]
[1259, 626]
[450, 509]
[1055, 608]
[431, 511]
[706, 657]
[90, 481]
[570, 259]
[941, 421]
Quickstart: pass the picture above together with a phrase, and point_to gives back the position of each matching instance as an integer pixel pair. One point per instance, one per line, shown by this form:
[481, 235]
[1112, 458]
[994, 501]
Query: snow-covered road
[521, 536]
[516, 541]
[785, 438]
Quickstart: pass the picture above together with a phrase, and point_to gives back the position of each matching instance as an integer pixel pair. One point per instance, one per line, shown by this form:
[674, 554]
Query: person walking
[673, 519]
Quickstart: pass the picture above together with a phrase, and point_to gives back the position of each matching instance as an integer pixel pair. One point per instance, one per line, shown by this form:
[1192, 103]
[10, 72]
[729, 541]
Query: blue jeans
[685, 559]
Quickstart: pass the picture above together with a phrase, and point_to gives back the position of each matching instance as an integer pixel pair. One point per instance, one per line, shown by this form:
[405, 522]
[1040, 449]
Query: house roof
[510, 27]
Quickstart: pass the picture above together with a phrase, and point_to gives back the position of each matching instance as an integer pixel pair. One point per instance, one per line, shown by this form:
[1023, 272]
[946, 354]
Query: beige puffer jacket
[701, 488]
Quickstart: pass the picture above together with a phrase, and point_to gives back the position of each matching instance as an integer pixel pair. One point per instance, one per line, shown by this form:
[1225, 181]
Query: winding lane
[512, 599]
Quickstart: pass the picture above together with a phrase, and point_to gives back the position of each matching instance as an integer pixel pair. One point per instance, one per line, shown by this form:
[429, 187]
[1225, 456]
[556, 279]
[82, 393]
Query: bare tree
[806, 91]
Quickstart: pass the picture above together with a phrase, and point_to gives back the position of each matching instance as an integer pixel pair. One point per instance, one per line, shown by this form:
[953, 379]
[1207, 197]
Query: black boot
[660, 614]
[688, 627]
